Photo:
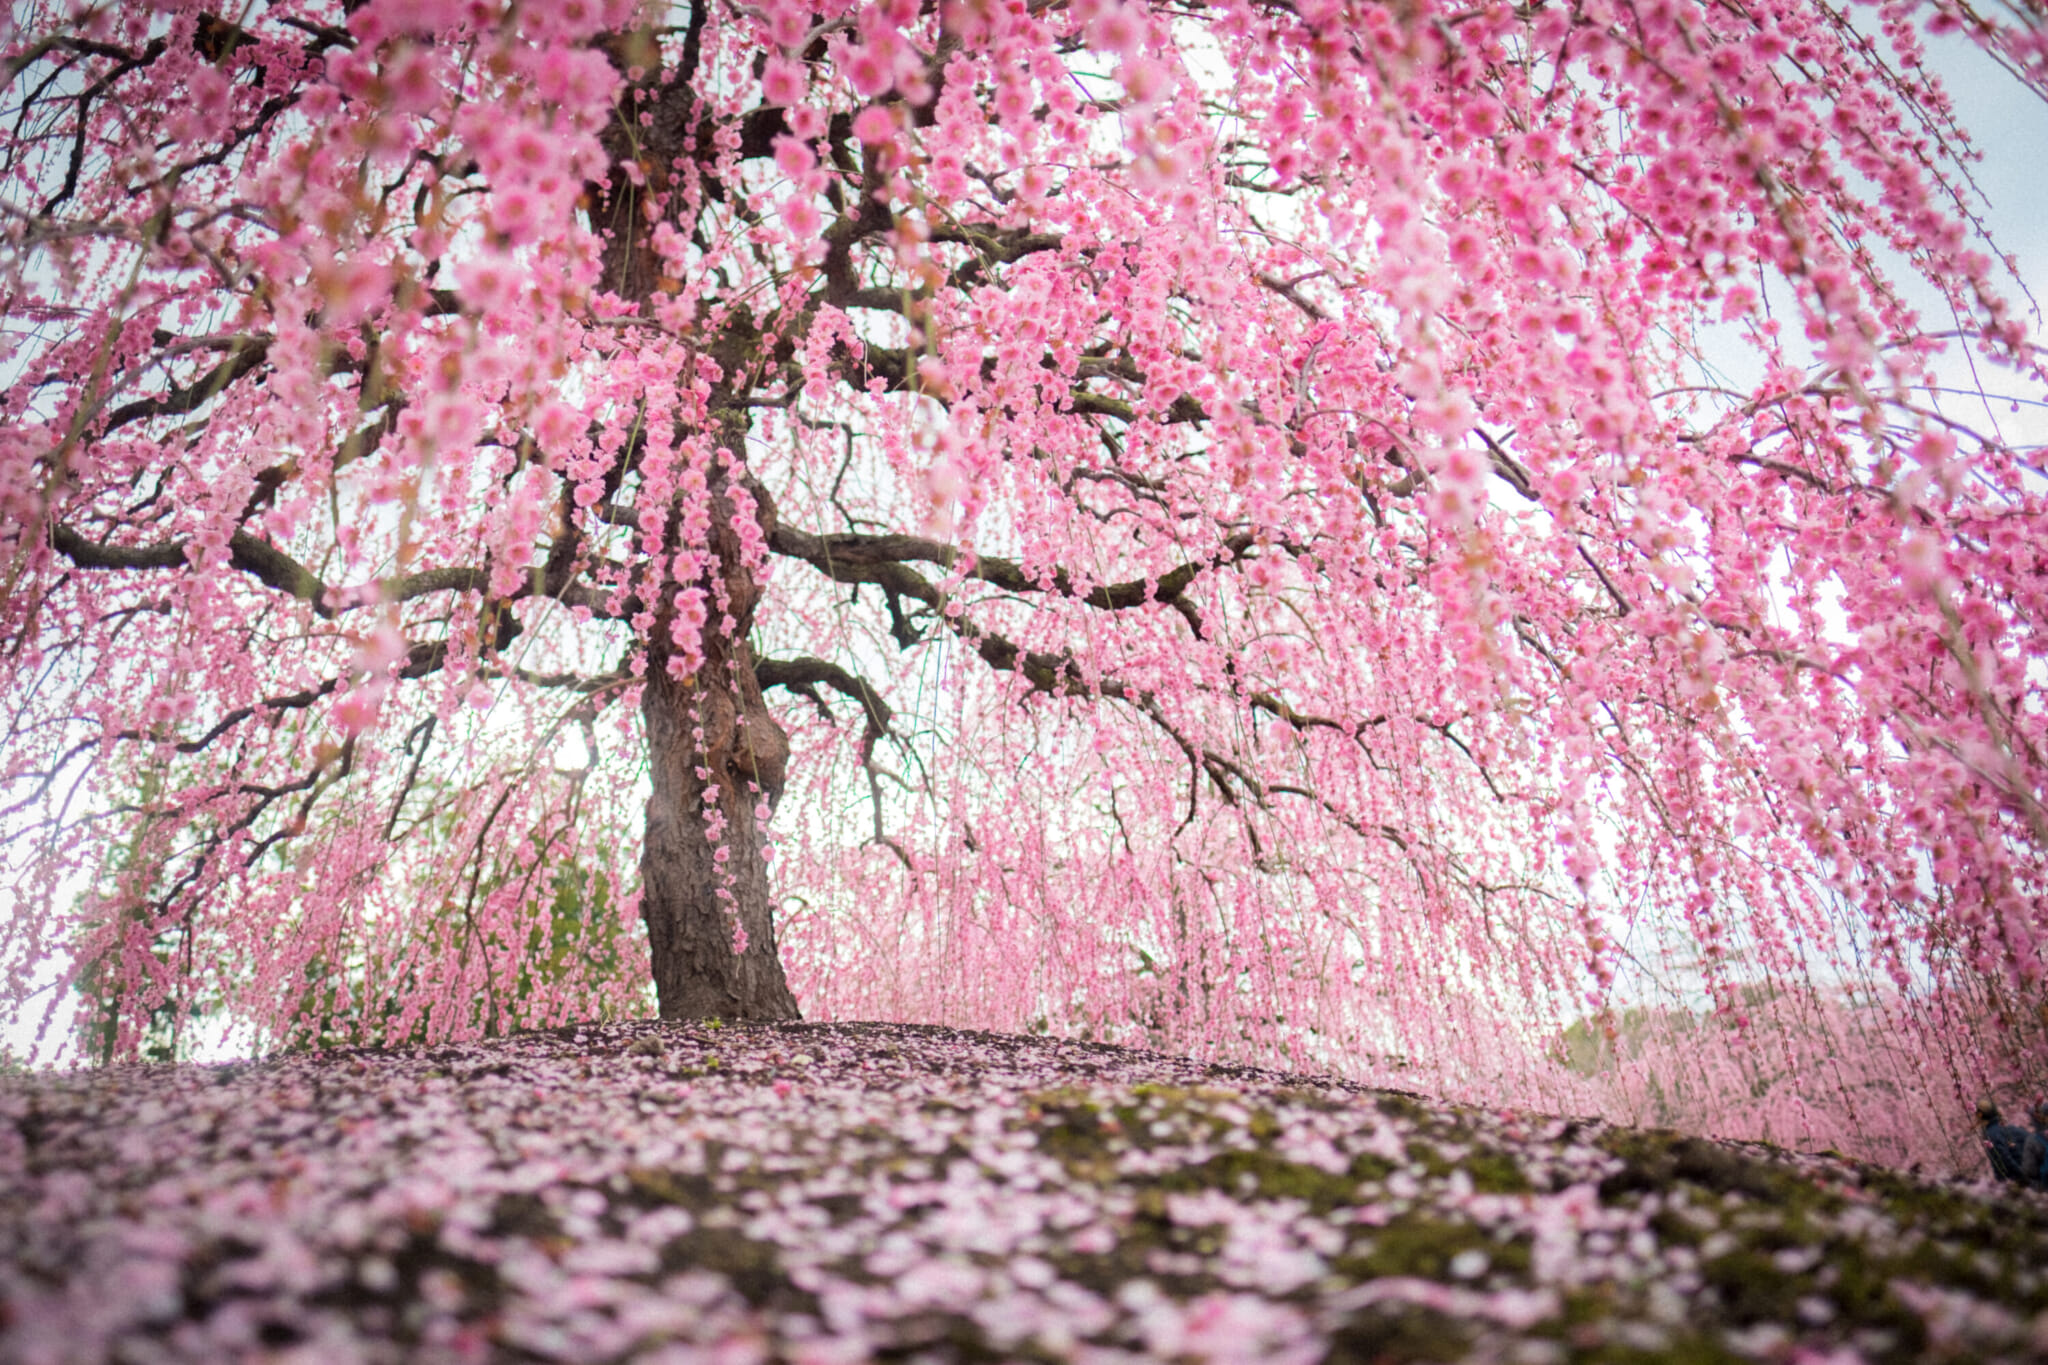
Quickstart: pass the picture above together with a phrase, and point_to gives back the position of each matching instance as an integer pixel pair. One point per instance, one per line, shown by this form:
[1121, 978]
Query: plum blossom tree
[1213, 519]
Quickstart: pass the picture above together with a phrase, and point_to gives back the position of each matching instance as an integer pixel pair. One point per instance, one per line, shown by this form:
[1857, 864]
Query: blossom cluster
[1271, 462]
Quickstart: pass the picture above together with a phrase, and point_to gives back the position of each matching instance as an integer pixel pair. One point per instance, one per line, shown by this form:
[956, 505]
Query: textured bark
[689, 925]
[712, 738]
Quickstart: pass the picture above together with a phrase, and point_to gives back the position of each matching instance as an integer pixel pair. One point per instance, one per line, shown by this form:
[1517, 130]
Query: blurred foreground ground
[839, 1192]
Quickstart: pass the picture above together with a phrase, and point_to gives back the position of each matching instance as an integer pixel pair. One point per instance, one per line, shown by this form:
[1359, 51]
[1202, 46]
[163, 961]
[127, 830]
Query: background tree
[1235, 494]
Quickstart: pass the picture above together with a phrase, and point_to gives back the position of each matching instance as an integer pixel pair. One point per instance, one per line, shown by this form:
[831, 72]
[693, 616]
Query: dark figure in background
[2034, 1151]
[2004, 1143]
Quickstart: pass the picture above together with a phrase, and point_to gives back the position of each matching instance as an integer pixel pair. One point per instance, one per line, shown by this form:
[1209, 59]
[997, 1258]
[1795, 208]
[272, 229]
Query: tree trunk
[689, 898]
[709, 735]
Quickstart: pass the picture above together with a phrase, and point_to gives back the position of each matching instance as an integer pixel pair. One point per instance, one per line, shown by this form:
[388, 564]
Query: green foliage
[124, 890]
[1602, 1041]
[581, 935]
[582, 931]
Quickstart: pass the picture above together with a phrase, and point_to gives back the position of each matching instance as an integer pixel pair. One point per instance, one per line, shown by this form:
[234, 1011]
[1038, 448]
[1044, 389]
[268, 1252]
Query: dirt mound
[831, 1192]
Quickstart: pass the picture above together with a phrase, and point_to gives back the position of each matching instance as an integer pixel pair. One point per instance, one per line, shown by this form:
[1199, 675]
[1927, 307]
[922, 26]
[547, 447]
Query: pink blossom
[870, 71]
[793, 156]
[783, 81]
[801, 217]
[875, 124]
[489, 284]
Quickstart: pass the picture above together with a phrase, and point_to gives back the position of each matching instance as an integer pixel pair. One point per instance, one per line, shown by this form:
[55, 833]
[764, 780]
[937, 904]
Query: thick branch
[181, 401]
[853, 558]
[804, 673]
[268, 565]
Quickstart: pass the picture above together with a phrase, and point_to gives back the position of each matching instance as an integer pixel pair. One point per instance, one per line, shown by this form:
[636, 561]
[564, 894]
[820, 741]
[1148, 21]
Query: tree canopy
[1219, 523]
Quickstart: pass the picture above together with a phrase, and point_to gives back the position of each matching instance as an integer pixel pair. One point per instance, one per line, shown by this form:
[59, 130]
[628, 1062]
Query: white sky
[2010, 124]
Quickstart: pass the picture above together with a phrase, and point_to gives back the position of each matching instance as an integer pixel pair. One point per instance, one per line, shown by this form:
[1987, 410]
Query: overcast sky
[2010, 124]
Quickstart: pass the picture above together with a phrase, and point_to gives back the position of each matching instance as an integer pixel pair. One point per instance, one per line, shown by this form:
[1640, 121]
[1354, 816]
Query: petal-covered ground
[836, 1192]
